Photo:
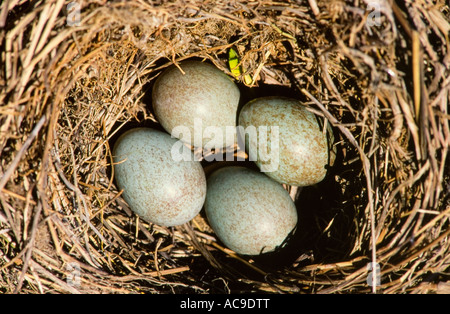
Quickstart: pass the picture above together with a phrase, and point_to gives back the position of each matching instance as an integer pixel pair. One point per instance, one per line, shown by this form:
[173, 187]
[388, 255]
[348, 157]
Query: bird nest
[75, 74]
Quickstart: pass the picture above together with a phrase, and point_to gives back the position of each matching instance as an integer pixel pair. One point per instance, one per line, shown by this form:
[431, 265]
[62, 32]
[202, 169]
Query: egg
[157, 188]
[198, 105]
[248, 211]
[297, 148]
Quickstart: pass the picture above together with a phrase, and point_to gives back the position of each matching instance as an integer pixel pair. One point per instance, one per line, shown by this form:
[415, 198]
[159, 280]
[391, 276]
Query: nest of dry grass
[68, 87]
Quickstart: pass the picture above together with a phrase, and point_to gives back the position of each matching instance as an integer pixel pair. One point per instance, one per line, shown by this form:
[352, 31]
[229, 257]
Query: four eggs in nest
[249, 211]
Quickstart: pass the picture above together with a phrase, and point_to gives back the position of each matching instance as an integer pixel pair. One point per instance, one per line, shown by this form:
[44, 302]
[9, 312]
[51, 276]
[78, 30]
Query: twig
[235, 256]
[79, 194]
[30, 245]
[12, 167]
[314, 7]
[53, 278]
[416, 69]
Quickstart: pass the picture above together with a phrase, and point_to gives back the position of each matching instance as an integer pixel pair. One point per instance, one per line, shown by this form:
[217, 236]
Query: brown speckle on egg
[155, 186]
[202, 93]
[303, 146]
[249, 212]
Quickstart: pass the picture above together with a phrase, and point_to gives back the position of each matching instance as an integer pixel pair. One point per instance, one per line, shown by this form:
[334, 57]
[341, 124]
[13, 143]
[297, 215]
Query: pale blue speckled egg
[203, 97]
[300, 154]
[248, 211]
[156, 187]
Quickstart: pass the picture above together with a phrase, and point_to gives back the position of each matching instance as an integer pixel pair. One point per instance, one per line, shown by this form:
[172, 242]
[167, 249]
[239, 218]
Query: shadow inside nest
[323, 232]
[325, 229]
